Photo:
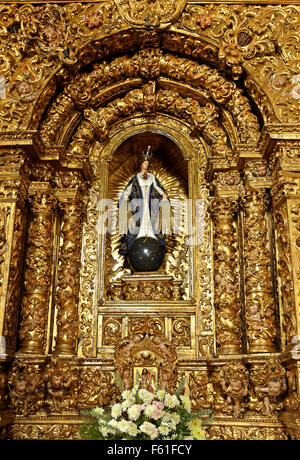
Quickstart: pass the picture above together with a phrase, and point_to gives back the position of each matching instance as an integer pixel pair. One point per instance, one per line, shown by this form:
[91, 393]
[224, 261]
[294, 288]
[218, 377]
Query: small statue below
[143, 239]
[147, 380]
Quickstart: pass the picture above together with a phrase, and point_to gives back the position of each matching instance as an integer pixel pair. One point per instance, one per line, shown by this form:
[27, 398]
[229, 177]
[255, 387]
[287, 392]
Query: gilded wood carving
[215, 88]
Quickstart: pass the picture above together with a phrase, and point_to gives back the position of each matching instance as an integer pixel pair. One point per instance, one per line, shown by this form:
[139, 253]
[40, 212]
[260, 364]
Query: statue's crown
[147, 155]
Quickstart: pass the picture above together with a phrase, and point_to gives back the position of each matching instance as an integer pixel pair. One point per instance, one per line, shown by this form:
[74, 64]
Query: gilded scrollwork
[142, 13]
[88, 275]
[144, 349]
[112, 331]
[203, 120]
[150, 290]
[49, 431]
[141, 64]
[181, 332]
[97, 387]
[250, 37]
[235, 433]
[201, 391]
[155, 326]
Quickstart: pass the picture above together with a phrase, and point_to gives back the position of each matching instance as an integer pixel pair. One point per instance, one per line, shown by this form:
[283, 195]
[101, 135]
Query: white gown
[145, 229]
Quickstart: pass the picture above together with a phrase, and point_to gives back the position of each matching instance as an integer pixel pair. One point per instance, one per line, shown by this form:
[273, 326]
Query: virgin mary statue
[149, 209]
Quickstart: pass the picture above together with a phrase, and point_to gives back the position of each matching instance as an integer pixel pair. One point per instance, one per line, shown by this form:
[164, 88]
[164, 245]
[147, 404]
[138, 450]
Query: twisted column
[260, 307]
[68, 277]
[227, 305]
[34, 310]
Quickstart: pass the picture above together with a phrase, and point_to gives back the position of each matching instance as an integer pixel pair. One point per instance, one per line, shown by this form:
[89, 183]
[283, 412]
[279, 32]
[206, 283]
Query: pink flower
[158, 404]
[158, 410]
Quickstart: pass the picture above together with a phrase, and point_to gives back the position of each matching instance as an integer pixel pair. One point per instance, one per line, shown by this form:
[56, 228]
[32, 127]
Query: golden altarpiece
[214, 89]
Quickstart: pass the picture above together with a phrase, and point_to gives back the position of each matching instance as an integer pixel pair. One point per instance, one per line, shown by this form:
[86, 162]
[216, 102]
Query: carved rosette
[260, 306]
[68, 276]
[227, 305]
[34, 311]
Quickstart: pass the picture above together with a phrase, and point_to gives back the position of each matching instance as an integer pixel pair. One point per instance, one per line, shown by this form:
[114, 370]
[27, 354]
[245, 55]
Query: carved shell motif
[151, 13]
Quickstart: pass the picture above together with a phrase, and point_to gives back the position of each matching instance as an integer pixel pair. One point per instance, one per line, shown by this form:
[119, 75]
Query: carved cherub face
[236, 385]
[21, 386]
[56, 379]
[253, 309]
[274, 387]
[66, 180]
[51, 35]
[24, 88]
[147, 289]
[157, 340]
[136, 338]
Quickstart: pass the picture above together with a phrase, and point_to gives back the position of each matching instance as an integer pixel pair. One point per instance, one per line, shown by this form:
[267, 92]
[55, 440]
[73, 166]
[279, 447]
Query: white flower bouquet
[140, 414]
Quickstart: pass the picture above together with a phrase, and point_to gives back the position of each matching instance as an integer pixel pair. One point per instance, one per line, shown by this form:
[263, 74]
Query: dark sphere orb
[146, 255]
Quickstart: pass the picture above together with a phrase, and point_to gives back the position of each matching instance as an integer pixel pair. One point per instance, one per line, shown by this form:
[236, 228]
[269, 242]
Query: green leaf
[180, 387]
[119, 382]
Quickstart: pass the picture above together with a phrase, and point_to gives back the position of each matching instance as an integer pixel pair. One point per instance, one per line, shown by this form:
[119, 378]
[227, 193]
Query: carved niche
[147, 358]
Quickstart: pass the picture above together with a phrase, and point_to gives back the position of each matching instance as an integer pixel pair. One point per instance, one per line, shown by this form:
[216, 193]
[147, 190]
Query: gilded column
[227, 305]
[260, 305]
[13, 185]
[68, 276]
[286, 214]
[34, 310]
